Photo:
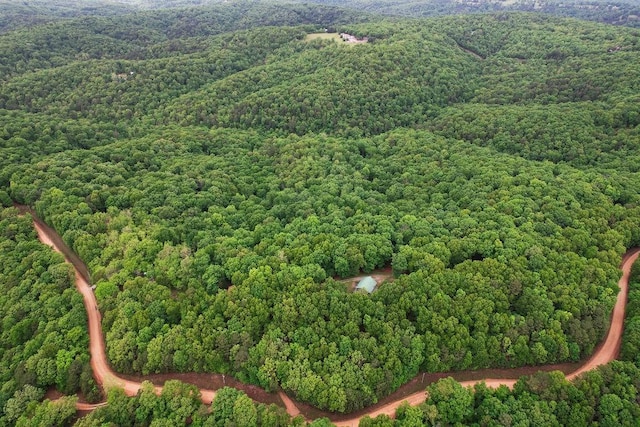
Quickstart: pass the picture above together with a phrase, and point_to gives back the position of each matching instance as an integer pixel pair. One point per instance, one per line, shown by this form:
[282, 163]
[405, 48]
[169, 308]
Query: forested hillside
[221, 173]
[169, 17]
[43, 341]
[619, 12]
[14, 15]
[607, 396]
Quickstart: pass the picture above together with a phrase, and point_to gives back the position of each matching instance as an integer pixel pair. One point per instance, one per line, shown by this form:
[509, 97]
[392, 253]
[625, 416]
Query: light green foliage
[51, 414]
[43, 338]
[631, 339]
[21, 402]
[216, 193]
[541, 399]
[233, 407]
[453, 402]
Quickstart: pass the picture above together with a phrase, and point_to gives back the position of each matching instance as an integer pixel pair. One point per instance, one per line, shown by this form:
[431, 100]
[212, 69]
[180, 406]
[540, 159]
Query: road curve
[101, 369]
[106, 377]
[605, 353]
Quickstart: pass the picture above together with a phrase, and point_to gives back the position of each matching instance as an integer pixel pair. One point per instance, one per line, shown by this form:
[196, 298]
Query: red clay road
[606, 353]
[107, 378]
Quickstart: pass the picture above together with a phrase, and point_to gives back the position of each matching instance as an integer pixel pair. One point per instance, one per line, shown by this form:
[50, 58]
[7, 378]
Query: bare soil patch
[380, 275]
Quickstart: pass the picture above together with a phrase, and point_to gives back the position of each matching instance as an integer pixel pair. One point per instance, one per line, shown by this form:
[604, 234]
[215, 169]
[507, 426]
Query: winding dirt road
[105, 376]
[605, 353]
[101, 369]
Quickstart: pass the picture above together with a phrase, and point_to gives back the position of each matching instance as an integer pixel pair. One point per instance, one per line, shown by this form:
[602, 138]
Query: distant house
[368, 284]
[353, 39]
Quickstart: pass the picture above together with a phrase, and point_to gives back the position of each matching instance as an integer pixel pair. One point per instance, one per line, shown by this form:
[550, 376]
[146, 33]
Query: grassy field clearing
[326, 36]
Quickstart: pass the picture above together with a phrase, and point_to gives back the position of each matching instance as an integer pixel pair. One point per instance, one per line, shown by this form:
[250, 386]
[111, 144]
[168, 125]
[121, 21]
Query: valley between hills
[221, 172]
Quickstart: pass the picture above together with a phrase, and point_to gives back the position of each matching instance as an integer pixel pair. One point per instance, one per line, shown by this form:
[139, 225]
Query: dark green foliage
[50, 414]
[605, 396]
[14, 15]
[379, 421]
[233, 406]
[453, 402]
[621, 12]
[43, 338]
[365, 89]
[137, 35]
[127, 90]
[224, 229]
[220, 192]
[631, 340]
[179, 404]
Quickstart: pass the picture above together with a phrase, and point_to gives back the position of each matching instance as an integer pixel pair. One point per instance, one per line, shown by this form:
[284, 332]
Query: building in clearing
[353, 39]
[368, 284]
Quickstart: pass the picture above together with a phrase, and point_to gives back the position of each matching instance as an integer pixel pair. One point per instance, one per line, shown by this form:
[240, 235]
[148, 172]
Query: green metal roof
[368, 284]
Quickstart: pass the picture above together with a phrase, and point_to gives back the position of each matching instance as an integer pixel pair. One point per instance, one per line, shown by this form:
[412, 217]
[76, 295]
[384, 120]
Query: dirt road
[107, 378]
[101, 369]
[604, 354]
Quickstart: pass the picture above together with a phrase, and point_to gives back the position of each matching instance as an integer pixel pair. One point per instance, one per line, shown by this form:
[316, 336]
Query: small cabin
[368, 284]
[353, 39]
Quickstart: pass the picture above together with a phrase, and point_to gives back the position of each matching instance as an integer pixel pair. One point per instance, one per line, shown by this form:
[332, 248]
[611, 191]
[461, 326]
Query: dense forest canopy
[44, 341]
[157, 18]
[620, 12]
[14, 14]
[30, 13]
[220, 173]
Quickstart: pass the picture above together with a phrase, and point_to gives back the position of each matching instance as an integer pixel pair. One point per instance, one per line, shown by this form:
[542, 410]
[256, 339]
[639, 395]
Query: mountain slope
[222, 188]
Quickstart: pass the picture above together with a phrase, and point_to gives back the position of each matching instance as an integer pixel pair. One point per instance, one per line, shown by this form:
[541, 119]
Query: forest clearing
[607, 351]
[263, 221]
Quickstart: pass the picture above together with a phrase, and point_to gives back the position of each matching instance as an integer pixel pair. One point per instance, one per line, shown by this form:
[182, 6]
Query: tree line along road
[607, 351]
